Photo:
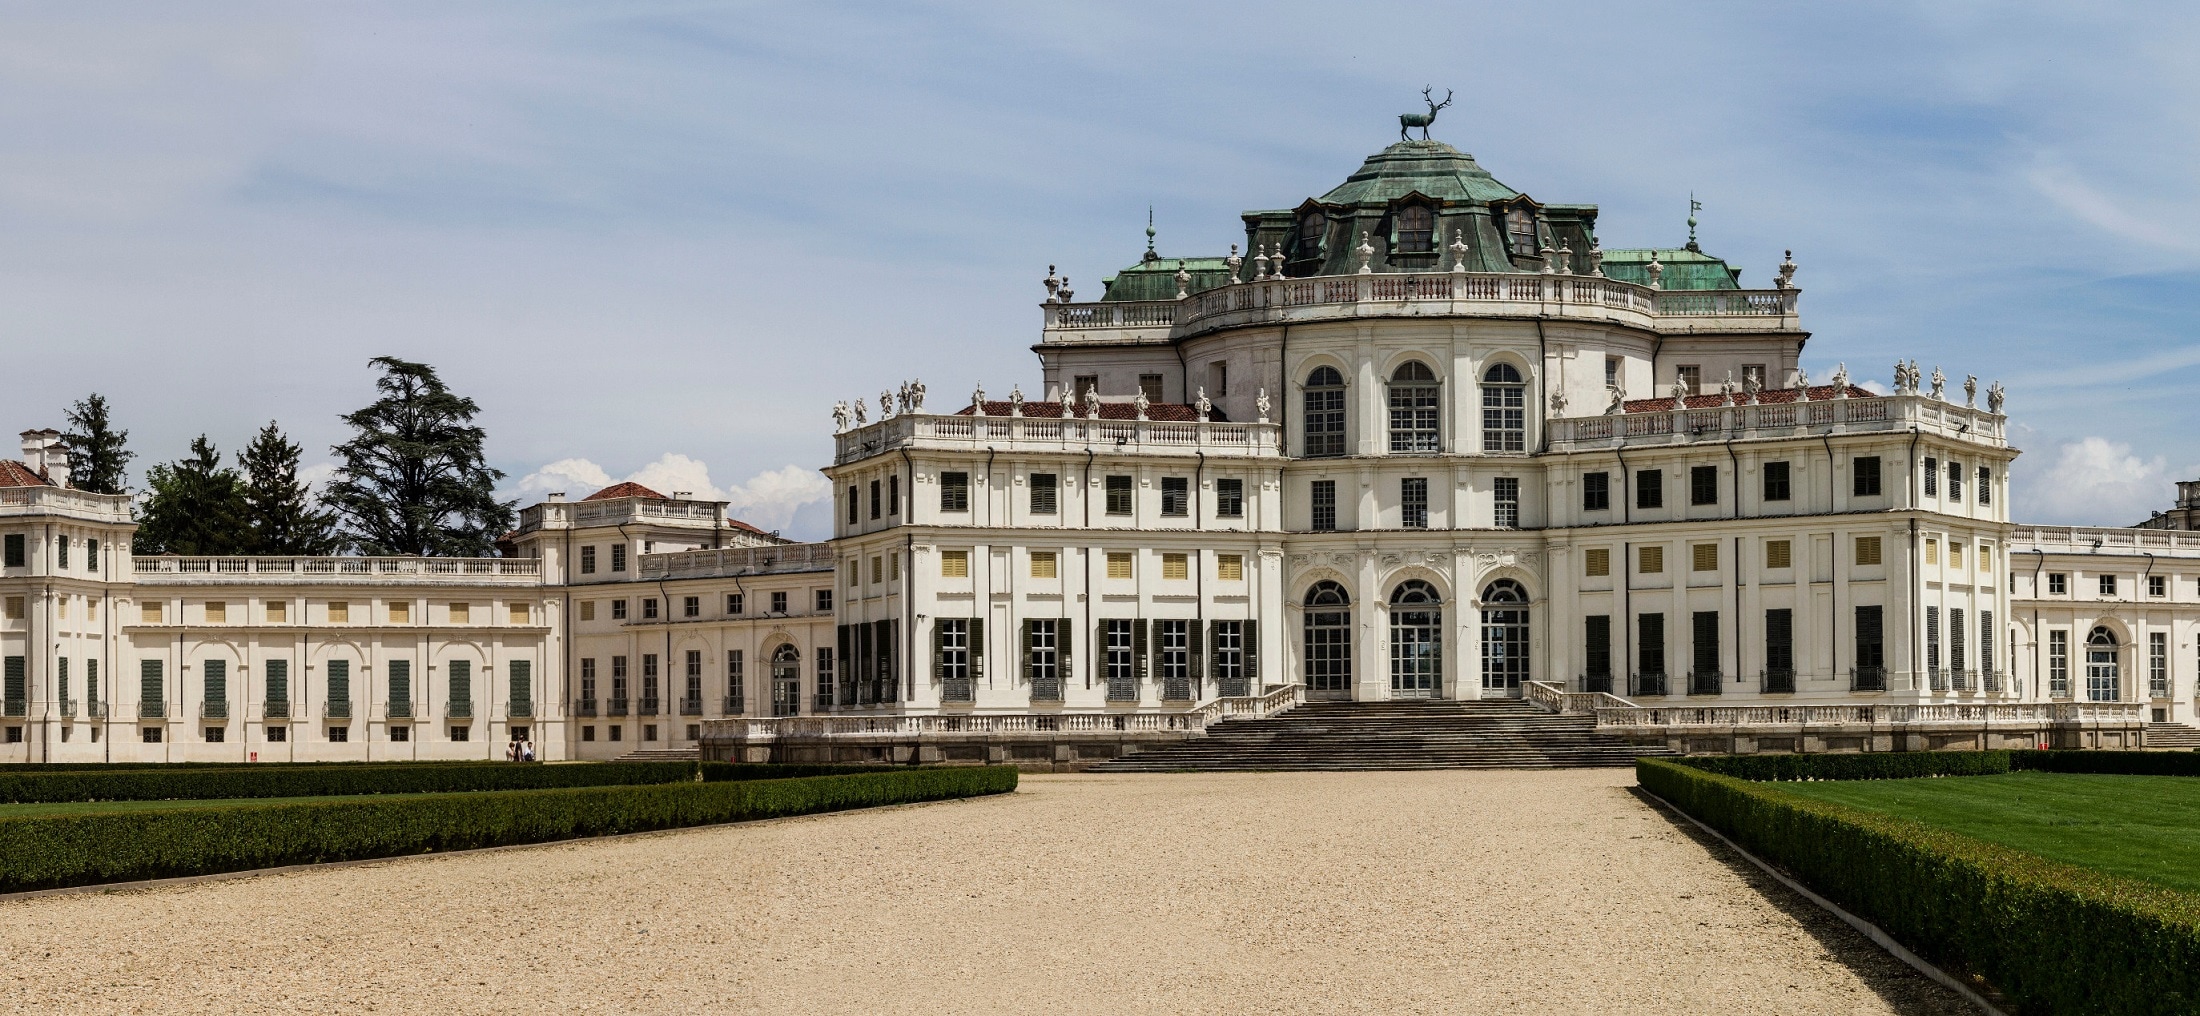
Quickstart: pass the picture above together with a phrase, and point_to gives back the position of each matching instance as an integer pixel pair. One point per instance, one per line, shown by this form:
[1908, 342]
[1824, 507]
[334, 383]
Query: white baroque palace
[1430, 440]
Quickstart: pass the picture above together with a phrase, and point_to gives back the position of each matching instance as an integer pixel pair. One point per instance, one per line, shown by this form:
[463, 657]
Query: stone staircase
[1349, 736]
[661, 755]
[2176, 736]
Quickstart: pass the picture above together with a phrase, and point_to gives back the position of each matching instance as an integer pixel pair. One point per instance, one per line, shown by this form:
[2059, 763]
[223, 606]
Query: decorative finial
[1550, 258]
[1066, 293]
[1458, 251]
[1787, 271]
[1235, 262]
[1596, 259]
[1053, 283]
[1656, 271]
[1565, 260]
[1694, 206]
[1183, 281]
[1366, 251]
[1150, 255]
[1260, 264]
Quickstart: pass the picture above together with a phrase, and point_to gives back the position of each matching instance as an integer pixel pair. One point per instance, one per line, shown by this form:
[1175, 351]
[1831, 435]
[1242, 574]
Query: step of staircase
[2173, 735]
[661, 755]
[1362, 736]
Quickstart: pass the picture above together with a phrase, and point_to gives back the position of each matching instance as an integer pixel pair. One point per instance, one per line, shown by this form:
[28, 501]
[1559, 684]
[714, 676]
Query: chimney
[557, 495]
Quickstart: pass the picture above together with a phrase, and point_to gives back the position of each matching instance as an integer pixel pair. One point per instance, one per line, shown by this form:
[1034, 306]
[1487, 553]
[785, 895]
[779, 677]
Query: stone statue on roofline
[1069, 402]
[885, 404]
[1140, 403]
[1802, 379]
[1205, 407]
[1092, 403]
[1970, 390]
[1261, 404]
[977, 401]
[1840, 380]
[1751, 385]
[1727, 388]
[916, 387]
[1994, 397]
[1558, 402]
[904, 393]
[860, 413]
[840, 416]
[1901, 377]
[1680, 392]
[1618, 397]
[1016, 400]
[1940, 385]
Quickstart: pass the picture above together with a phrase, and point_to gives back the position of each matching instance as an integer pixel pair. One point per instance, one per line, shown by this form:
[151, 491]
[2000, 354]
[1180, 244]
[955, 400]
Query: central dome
[1429, 168]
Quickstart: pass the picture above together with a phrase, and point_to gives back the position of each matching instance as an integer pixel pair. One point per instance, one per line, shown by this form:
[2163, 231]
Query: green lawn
[2144, 827]
[90, 807]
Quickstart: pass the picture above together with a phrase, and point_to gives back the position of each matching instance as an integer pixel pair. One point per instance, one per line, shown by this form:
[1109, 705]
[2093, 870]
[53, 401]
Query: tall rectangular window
[1414, 413]
[1227, 657]
[1932, 476]
[61, 550]
[2157, 585]
[400, 686]
[855, 505]
[1175, 657]
[1871, 650]
[339, 685]
[1779, 648]
[2158, 664]
[2058, 663]
[1597, 649]
[1703, 485]
[1649, 488]
[878, 498]
[588, 681]
[1956, 647]
[1176, 496]
[1042, 659]
[278, 682]
[1413, 502]
[736, 698]
[1932, 643]
[893, 494]
[822, 698]
[1230, 499]
[1955, 481]
[1324, 505]
[1611, 372]
[1324, 417]
[1045, 490]
[15, 685]
[1865, 476]
[1150, 386]
[1704, 644]
[1596, 492]
[519, 677]
[460, 699]
[650, 686]
[1119, 664]
[1505, 501]
[954, 492]
[15, 555]
[1650, 648]
[1986, 644]
[1218, 377]
[1118, 495]
[1776, 481]
[619, 685]
[618, 557]
[692, 691]
[1985, 485]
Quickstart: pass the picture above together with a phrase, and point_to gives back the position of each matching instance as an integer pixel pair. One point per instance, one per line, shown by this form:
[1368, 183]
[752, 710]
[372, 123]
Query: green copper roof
[1432, 168]
[1155, 278]
[1683, 268]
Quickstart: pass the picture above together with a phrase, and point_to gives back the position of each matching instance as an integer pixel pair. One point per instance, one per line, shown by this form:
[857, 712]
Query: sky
[658, 240]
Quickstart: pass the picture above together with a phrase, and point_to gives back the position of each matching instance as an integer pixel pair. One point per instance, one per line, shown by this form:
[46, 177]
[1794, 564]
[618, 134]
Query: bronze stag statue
[1406, 120]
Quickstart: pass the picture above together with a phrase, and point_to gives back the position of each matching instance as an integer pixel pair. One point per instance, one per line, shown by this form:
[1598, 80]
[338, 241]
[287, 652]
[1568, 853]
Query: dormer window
[1416, 229]
[1311, 227]
[1520, 227]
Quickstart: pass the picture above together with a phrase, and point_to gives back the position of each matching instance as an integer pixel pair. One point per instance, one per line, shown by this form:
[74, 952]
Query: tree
[278, 508]
[98, 460]
[194, 506]
[413, 479]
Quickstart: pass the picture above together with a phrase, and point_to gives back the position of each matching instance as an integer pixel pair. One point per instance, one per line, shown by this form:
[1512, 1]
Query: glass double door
[1416, 653]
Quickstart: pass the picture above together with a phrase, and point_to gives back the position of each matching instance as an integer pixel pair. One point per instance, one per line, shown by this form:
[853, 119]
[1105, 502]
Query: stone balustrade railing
[518, 571]
[2081, 539]
[1192, 721]
[1075, 434]
[707, 564]
[81, 504]
[2016, 713]
[1775, 420]
[617, 511]
[1555, 698]
[1410, 294]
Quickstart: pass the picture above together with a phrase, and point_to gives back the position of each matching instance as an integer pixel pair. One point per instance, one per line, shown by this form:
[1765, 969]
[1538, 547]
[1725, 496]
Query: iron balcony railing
[1647, 684]
[1176, 689]
[152, 708]
[276, 709]
[734, 705]
[1597, 683]
[95, 710]
[214, 709]
[1868, 678]
[68, 709]
[1234, 687]
[584, 707]
[1706, 682]
[461, 710]
[15, 707]
[645, 707]
[1778, 682]
[691, 707]
[1964, 680]
[1122, 689]
[958, 689]
[1937, 678]
[1992, 679]
[337, 709]
[400, 710]
[520, 710]
[615, 707]
[1046, 689]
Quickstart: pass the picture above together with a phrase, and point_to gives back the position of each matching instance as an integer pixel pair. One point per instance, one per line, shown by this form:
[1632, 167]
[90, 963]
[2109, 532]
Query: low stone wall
[1037, 751]
[1860, 737]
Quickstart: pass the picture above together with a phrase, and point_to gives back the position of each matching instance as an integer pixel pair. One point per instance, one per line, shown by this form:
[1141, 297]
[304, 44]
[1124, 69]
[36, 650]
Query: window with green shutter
[522, 678]
[13, 555]
[401, 688]
[462, 687]
[91, 682]
[216, 674]
[14, 686]
[61, 677]
[278, 682]
[339, 686]
[150, 702]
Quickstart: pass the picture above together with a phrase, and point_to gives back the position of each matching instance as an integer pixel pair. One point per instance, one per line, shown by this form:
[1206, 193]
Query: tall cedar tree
[98, 460]
[194, 506]
[413, 480]
[280, 509]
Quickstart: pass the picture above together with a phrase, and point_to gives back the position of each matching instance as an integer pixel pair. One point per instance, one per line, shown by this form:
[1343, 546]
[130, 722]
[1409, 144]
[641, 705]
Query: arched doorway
[1328, 642]
[1416, 640]
[1504, 638]
[786, 680]
[2102, 682]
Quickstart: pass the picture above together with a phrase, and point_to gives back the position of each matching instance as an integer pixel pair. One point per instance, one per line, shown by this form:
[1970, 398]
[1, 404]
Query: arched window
[1416, 226]
[1324, 417]
[1416, 640]
[1504, 636]
[1520, 229]
[2102, 680]
[786, 680]
[1414, 395]
[1328, 641]
[1504, 410]
[1311, 227]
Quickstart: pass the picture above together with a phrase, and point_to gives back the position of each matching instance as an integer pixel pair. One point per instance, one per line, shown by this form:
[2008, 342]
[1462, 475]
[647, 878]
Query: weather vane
[1694, 206]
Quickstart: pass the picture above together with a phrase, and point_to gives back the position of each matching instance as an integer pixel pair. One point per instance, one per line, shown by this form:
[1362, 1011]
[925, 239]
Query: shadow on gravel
[1904, 989]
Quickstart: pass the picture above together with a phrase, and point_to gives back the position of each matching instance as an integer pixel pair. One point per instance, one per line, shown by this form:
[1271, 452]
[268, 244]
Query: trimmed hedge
[2130, 763]
[1898, 765]
[73, 850]
[354, 778]
[2052, 937]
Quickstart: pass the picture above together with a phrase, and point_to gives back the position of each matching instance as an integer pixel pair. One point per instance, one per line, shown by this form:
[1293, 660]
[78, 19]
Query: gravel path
[1484, 892]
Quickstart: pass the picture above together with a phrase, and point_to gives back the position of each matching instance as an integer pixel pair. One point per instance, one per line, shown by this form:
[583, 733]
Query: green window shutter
[278, 680]
[1138, 648]
[401, 677]
[1251, 642]
[149, 683]
[61, 674]
[522, 677]
[1027, 649]
[462, 682]
[1062, 632]
[91, 680]
[977, 647]
[939, 651]
[13, 691]
[1193, 661]
[216, 673]
[339, 680]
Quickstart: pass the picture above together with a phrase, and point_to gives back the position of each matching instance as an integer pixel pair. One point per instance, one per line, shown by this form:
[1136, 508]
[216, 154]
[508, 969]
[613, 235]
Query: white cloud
[317, 475]
[769, 500]
[2095, 481]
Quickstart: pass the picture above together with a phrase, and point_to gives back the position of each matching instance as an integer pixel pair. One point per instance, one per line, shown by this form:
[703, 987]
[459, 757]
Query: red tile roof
[16, 474]
[626, 489]
[1173, 412]
[1768, 397]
